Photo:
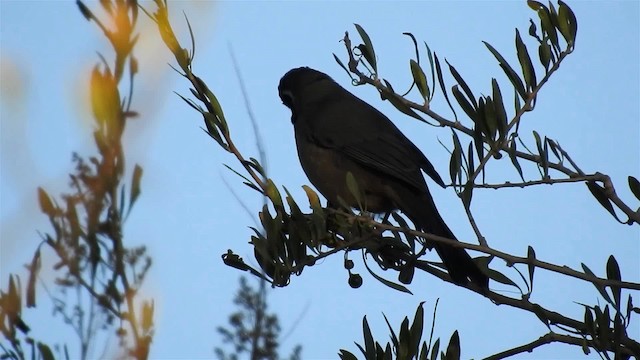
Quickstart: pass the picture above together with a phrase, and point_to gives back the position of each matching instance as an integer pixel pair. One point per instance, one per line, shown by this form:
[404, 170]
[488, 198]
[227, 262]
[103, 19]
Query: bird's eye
[287, 98]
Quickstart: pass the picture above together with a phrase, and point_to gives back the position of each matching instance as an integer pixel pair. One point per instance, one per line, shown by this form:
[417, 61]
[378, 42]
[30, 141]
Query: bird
[337, 133]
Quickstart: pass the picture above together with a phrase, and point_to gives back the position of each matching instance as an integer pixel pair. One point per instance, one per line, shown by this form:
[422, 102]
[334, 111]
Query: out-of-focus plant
[97, 275]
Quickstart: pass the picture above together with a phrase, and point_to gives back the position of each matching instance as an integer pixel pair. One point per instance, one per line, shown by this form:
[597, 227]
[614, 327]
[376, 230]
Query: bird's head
[301, 85]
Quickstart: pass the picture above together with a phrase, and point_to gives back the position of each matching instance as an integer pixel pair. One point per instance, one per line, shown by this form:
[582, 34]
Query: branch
[594, 177]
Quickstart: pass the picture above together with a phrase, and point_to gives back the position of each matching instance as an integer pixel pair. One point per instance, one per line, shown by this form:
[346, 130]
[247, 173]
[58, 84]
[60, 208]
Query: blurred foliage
[253, 330]
[97, 276]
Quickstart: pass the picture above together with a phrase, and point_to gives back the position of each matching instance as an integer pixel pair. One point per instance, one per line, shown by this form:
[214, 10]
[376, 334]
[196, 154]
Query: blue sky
[187, 216]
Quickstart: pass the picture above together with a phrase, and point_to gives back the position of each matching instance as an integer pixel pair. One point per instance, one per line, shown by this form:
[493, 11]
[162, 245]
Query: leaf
[528, 71]
[531, 256]
[420, 79]
[394, 338]
[34, 269]
[45, 202]
[599, 193]
[442, 86]
[397, 102]
[490, 118]
[471, 165]
[432, 66]
[416, 330]
[386, 282]
[273, 194]
[435, 349]
[544, 52]
[84, 10]
[464, 104]
[341, 64]
[463, 84]
[453, 350]
[547, 26]
[314, 200]
[501, 113]
[467, 194]
[45, 351]
[634, 186]
[600, 289]
[135, 186]
[514, 159]
[508, 70]
[567, 22]
[345, 355]
[543, 155]
[415, 44]
[456, 160]
[613, 273]
[370, 349]
[500, 277]
[368, 51]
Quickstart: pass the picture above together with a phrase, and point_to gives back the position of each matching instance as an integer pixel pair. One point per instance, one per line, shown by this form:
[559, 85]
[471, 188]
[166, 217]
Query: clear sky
[187, 216]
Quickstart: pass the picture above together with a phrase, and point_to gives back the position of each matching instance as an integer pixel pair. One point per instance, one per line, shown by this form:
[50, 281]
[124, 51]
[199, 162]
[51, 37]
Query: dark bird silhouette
[336, 133]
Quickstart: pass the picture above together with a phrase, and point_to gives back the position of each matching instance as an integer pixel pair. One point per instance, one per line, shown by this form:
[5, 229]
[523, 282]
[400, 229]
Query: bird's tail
[461, 267]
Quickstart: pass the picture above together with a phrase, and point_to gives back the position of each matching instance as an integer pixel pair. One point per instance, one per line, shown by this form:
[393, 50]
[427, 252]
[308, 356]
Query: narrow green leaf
[566, 15]
[345, 355]
[634, 186]
[535, 5]
[386, 282]
[490, 118]
[404, 350]
[415, 45]
[273, 194]
[84, 10]
[435, 349]
[531, 256]
[453, 350]
[501, 113]
[46, 205]
[514, 159]
[456, 159]
[367, 50]
[397, 102]
[431, 64]
[135, 186]
[528, 71]
[463, 84]
[613, 273]
[600, 194]
[533, 29]
[45, 352]
[600, 289]
[34, 270]
[554, 148]
[544, 52]
[588, 321]
[442, 86]
[337, 59]
[508, 70]
[394, 338]
[547, 26]
[500, 277]
[464, 104]
[416, 330]
[543, 155]
[467, 194]
[369, 345]
[471, 164]
[420, 79]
